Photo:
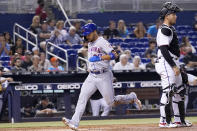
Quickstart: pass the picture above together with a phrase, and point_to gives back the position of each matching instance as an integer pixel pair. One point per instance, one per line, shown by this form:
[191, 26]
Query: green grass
[89, 122]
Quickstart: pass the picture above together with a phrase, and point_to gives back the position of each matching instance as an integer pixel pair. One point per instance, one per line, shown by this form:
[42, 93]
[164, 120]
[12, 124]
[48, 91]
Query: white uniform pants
[167, 79]
[102, 82]
[100, 104]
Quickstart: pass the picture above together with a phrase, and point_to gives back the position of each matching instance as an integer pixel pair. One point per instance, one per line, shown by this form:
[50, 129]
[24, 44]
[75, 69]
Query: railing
[73, 20]
[48, 52]
[63, 11]
[82, 59]
[16, 32]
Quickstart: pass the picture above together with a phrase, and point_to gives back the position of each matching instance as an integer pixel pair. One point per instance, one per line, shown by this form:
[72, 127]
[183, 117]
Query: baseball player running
[100, 52]
[167, 66]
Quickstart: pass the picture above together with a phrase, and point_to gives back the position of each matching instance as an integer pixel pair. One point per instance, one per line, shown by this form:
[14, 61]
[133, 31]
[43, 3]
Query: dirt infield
[138, 127]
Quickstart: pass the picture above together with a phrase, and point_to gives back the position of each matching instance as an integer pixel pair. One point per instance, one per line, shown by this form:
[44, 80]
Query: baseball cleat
[179, 124]
[166, 125]
[187, 124]
[163, 125]
[69, 124]
[172, 125]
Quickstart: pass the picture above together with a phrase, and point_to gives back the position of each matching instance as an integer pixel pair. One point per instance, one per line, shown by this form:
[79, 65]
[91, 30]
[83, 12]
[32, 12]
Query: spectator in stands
[152, 49]
[44, 33]
[190, 59]
[111, 31]
[58, 36]
[77, 26]
[152, 30]
[27, 60]
[55, 65]
[151, 65]
[128, 53]
[73, 38]
[35, 26]
[122, 29]
[185, 40]
[140, 30]
[83, 52]
[90, 21]
[123, 64]
[195, 22]
[40, 10]
[18, 44]
[36, 51]
[44, 63]
[17, 66]
[4, 47]
[8, 38]
[195, 26]
[183, 53]
[137, 65]
[45, 107]
[19, 53]
[51, 25]
[35, 67]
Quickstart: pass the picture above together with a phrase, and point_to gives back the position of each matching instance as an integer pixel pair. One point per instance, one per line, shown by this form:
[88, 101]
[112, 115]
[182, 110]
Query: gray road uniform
[100, 77]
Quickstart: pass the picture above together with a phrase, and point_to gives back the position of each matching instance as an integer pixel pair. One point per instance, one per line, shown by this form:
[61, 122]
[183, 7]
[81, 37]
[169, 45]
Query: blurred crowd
[50, 30]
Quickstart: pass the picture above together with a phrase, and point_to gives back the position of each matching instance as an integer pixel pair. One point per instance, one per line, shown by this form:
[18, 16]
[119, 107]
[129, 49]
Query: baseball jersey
[167, 36]
[99, 48]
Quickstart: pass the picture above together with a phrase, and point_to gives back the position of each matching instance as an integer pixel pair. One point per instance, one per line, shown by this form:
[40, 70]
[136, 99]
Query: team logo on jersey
[95, 49]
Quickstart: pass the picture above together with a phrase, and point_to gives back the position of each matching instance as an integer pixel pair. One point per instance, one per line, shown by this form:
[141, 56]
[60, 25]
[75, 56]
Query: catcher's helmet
[169, 8]
[89, 28]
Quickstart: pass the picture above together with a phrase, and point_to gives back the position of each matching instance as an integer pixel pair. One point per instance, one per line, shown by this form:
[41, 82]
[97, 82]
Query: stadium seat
[144, 39]
[131, 40]
[134, 50]
[65, 46]
[76, 46]
[71, 51]
[145, 60]
[6, 63]
[115, 43]
[124, 45]
[61, 54]
[132, 35]
[5, 58]
[115, 40]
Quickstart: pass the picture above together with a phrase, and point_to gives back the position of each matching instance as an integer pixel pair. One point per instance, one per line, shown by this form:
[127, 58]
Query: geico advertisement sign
[68, 86]
[27, 87]
[151, 84]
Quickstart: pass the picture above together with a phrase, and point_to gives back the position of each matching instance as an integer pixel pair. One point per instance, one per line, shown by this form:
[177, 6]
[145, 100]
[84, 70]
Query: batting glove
[94, 59]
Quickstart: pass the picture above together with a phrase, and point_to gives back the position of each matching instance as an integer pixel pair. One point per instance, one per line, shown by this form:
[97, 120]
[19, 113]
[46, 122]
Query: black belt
[99, 72]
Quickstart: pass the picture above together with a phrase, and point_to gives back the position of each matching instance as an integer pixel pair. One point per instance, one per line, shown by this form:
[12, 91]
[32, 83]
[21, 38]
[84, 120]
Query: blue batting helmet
[89, 28]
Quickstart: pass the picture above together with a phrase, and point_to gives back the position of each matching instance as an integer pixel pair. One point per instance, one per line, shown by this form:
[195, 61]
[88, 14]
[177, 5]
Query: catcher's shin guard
[181, 111]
